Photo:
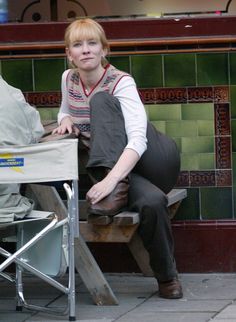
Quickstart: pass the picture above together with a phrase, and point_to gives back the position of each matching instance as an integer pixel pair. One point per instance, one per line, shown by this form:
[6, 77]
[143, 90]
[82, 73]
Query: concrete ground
[207, 297]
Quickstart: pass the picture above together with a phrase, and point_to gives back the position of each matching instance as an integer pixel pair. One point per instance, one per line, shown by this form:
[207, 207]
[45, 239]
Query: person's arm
[135, 125]
[64, 119]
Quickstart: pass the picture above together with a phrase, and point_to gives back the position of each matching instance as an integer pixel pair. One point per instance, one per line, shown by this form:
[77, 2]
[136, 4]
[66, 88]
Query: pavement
[207, 297]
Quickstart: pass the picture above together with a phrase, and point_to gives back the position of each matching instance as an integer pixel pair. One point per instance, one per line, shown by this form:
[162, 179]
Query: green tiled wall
[191, 125]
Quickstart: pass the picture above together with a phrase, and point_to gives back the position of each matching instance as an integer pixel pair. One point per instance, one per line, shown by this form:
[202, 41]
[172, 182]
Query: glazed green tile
[204, 111]
[164, 112]
[18, 73]
[212, 69]
[120, 62]
[206, 128]
[160, 125]
[179, 70]
[206, 161]
[216, 203]
[189, 161]
[233, 101]
[198, 144]
[147, 70]
[232, 68]
[181, 128]
[190, 207]
[233, 132]
[47, 74]
[45, 113]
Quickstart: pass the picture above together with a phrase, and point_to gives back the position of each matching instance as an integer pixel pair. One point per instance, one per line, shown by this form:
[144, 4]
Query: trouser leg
[155, 175]
[154, 228]
[108, 136]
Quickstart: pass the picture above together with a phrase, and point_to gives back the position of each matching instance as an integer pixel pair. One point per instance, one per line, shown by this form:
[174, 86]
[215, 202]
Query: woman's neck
[91, 78]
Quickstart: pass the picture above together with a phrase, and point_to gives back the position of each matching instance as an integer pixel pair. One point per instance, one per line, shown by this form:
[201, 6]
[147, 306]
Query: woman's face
[86, 54]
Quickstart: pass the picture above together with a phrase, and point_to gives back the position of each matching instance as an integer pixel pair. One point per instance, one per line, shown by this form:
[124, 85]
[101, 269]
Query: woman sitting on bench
[131, 164]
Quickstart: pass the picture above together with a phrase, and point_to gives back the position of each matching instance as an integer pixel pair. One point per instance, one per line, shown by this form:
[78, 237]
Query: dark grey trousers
[154, 175]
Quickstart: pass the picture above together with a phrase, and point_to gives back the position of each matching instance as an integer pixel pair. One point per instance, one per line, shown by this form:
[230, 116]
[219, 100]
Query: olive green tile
[47, 74]
[120, 62]
[216, 203]
[190, 206]
[164, 112]
[232, 68]
[18, 73]
[54, 112]
[206, 128]
[147, 70]
[179, 70]
[233, 132]
[233, 101]
[181, 128]
[45, 113]
[204, 111]
[178, 142]
[198, 144]
[212, 69]
[160, 125]
[206, 161]
[189, 161]
[197, 161]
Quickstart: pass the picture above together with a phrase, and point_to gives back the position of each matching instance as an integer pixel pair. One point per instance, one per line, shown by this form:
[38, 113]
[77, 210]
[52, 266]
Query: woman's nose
[85, 48]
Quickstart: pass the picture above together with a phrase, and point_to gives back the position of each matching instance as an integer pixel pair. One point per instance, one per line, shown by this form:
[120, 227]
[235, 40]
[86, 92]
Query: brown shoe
[114, 202]
[171, 289]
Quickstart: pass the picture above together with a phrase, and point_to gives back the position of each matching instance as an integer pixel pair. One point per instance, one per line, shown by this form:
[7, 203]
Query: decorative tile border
[43, 99]
[219, 95]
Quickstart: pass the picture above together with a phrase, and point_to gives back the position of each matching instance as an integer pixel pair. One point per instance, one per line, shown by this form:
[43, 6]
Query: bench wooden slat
[126, 218]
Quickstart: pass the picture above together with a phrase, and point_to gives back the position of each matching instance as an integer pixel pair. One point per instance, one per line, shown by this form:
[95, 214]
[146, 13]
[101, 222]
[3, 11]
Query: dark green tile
[189, 161]
[190, 206]
[18, 73]
[47, 74]
[147, 70]
[206, 128]
[198, 144]
[216, 203]
[179, 70]
[120, 62]
[182, 128]
[212, 69]
[233, 132]
[232, 68]
[233, 101]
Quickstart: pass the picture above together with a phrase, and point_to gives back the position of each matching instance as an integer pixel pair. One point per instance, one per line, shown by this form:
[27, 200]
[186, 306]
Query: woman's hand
[101, 189]
[66, 126]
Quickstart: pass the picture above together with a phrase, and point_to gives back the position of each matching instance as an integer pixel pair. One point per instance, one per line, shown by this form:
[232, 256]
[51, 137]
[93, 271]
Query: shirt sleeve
[64, 108]
[134, 114]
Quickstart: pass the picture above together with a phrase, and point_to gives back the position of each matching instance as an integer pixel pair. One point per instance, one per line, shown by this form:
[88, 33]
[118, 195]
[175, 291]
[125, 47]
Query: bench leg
[140, 255]
[92, 276]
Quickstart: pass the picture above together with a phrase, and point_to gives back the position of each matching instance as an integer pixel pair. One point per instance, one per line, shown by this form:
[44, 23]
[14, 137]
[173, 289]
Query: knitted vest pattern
[79, 101]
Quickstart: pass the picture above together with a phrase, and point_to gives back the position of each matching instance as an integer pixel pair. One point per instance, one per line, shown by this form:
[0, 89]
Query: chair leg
[19, 288]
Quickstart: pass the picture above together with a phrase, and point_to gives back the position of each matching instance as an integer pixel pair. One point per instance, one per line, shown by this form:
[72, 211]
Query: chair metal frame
[71, 221]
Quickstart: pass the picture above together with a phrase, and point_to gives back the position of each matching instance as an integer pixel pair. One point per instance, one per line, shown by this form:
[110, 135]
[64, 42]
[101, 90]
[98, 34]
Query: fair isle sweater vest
[79, 100]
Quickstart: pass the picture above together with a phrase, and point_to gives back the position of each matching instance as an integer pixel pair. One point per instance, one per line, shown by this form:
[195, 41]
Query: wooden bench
[122, 228]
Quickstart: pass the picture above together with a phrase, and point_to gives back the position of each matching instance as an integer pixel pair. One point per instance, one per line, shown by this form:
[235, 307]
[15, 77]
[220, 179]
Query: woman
[131, 164]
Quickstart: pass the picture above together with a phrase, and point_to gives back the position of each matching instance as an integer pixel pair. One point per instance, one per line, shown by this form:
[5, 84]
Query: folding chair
[39, 231]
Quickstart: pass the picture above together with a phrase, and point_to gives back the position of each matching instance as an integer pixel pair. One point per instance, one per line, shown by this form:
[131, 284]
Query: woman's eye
[92, 42]
[77, 44]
